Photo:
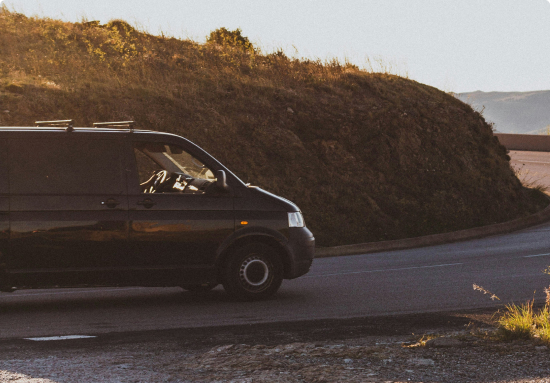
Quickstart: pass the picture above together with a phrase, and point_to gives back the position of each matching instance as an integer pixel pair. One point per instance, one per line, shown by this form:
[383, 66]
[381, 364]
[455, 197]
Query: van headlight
[296, 219]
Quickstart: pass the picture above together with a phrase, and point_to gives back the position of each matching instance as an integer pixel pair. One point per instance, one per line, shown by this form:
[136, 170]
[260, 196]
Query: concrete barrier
[528, 142]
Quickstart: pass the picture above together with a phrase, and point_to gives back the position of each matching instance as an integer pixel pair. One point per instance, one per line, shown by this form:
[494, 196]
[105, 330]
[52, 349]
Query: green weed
[523, 321]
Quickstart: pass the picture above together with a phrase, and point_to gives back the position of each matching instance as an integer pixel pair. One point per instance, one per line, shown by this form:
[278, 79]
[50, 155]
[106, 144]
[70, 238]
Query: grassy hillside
[513, 112]
[366, 156]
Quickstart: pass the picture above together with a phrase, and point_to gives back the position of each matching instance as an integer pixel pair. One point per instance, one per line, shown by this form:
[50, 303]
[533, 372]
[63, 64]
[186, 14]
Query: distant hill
[513, 112]
[366, 156]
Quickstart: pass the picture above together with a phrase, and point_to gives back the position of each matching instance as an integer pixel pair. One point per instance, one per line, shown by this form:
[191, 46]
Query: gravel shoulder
[383, 349]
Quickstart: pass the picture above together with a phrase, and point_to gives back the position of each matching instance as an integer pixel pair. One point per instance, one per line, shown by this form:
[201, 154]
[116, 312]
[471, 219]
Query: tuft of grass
[517, 321]
[523, 321]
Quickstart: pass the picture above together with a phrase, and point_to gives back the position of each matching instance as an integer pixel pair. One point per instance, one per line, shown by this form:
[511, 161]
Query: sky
[454, 45]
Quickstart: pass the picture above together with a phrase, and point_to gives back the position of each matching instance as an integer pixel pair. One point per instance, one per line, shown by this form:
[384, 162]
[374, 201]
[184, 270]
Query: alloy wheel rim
[254, 272]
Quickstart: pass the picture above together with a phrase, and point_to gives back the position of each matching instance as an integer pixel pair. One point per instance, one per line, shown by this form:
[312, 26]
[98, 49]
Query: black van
[111, 205]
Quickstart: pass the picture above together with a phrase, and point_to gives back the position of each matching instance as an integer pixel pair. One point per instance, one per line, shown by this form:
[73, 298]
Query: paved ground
[382, 349]
[533, 168]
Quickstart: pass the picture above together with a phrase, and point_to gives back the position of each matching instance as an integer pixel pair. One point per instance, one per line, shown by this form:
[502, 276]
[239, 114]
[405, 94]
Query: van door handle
[147, 203]
[111, 203]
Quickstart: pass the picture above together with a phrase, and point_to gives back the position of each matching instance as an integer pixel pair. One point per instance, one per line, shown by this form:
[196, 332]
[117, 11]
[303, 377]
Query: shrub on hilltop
[222, 36]
[366, 156]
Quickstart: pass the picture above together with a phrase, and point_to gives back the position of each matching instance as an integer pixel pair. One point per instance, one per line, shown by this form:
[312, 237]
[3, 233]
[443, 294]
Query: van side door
[69, 209]
[177, 219]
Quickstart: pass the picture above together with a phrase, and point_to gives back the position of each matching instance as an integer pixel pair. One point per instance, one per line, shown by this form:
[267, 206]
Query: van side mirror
[221, 182]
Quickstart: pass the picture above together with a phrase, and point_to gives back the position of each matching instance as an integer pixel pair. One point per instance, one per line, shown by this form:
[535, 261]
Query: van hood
[256, 198]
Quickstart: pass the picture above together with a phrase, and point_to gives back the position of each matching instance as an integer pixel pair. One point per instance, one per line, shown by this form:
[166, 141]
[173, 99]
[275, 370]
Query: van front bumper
[301, 247]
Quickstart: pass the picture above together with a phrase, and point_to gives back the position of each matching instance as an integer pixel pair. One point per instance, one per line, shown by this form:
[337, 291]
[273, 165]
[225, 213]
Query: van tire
[253, 272]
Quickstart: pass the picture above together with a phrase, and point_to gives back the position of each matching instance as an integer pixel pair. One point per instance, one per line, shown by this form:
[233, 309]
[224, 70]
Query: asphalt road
[436, 278]
[419, 280]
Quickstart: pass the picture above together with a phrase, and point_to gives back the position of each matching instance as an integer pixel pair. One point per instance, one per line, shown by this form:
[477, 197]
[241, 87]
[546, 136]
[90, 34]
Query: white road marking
[381, 270]
[65, 337]
[535, 255]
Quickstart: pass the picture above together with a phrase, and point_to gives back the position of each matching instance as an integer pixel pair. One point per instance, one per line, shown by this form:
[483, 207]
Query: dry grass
[531, 179]
[367, 156]
[419, 341]
[523, 321]
[486, 292]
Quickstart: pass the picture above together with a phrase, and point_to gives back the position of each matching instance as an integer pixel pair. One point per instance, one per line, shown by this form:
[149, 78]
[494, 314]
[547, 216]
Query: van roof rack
[68, 124]
[115, 124]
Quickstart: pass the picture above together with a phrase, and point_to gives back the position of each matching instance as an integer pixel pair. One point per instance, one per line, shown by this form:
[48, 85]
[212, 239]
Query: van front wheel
[254, 271]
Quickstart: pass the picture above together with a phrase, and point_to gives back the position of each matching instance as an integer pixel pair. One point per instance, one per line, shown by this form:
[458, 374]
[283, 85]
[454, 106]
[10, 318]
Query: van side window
[66, 167]
[4, 187]
[165, 168]
[146, 166]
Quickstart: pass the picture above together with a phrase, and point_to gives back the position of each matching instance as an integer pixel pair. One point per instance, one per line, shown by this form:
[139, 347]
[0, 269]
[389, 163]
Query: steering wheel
[160, 178]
